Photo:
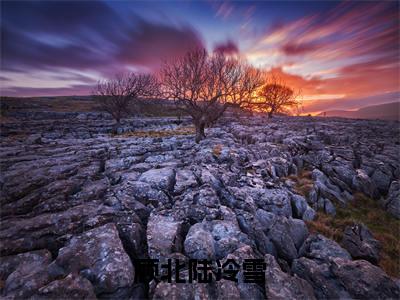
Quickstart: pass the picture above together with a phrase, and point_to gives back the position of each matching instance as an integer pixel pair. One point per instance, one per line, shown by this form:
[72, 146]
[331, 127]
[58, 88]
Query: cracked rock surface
[78, 205]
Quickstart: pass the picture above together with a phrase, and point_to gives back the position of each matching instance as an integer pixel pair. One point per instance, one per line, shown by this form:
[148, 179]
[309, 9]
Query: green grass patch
[383, 226]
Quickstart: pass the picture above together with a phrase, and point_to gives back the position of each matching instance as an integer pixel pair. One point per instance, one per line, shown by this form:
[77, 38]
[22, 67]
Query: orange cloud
[347, 53]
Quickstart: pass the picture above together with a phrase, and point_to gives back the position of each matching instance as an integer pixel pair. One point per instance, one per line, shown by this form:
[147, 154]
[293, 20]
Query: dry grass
[303, 182]
[383, 226]
[155, 134]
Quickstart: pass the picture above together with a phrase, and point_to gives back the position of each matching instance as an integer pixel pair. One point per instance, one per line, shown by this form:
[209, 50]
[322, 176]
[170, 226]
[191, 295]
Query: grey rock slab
[99, 256]
[164, 236]
[360, 243]
[163, 179]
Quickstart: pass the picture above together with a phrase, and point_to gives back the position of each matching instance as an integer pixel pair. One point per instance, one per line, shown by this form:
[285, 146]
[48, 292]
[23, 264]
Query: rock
[382, 181]
[145, 193]
[165, 290]
[34, 139]
[312, 196]
[256, 229]
[319, 275]
[288, 235]
[247, 290]
[316, 246]
[298, 231]
[329, 208]
[161, 245]
[280, 285]
[309, 214]
[227, 236]
[199, 243]
[276, 201]
[363, 280]
[9, 264]
[185, 179]
[46, 230]
[71, 287]
[163, 179]
[392, 202]
[63, 176]
[360, 243]
[266, 219]
[25, 273]
[299, 205]
[363, 183]
[227, 289]
[98, 255]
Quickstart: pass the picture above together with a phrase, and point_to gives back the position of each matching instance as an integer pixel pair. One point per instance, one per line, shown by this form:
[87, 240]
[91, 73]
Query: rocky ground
[79, 205]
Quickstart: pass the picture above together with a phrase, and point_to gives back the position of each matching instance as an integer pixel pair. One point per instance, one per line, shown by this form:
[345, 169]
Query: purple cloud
[228, 47]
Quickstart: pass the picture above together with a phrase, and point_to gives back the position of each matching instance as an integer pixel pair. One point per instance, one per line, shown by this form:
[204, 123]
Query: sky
[338, 54]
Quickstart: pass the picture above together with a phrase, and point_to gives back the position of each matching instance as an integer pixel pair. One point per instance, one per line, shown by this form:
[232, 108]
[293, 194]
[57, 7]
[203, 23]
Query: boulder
[319, 275]
[46, 230]
[299, 205]
[98, 255]
[287, 236]
[329, 208]
[185, 179]
[363, 183]
[163, 179]
[145, 193]
[227, 236]
[392, 201]
[9, 264]
[362, 280]
[360, 243]
[276, 201]
[266, 219]
[199, 243]
[316, 246]
[163, 236]
[25, 273]
[280, 285]
[382, 180]
[71, 287]
[309, 214]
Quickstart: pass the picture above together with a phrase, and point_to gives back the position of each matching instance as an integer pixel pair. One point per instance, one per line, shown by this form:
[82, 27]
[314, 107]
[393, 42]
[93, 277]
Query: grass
[384, 227]
[160, 133]
[303, 182]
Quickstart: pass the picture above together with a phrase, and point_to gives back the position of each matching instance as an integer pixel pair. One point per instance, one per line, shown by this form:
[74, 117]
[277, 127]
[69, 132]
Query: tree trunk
[270, 114]
[200, 131]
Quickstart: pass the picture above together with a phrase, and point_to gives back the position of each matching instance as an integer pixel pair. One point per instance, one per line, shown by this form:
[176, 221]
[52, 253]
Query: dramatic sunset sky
[342, 55]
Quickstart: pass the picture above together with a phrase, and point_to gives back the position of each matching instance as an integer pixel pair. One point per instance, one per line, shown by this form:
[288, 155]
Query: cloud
[349, 52]
[85, 36]
[349, 104]
[298, 49]
[224, 10]
[228, 47]
[147, 44]
[73, 90]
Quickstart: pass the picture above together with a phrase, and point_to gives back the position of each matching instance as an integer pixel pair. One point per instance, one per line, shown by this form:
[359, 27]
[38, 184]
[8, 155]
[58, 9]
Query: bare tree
[276, 97]
[206, 85]
[116, 96]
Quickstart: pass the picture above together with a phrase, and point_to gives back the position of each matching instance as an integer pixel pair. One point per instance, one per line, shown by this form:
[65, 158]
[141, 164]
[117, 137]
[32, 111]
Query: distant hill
[387, 111]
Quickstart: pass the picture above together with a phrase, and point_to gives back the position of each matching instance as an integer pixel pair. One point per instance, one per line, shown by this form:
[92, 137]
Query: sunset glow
[341, 55]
